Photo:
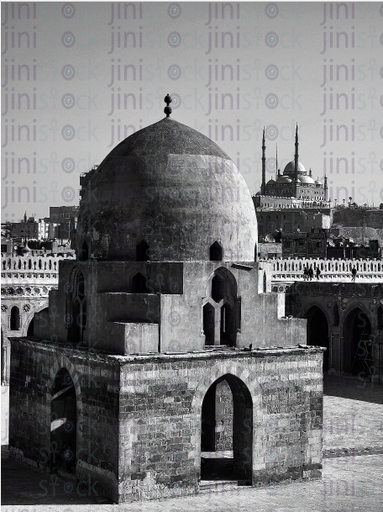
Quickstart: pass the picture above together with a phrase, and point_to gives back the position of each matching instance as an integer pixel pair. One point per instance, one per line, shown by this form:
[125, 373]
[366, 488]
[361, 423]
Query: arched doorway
[63, 423]
[227, 432]
[357, 343]
[317, 332]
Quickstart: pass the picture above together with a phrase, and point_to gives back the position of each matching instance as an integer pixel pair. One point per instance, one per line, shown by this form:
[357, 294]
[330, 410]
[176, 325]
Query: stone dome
[172, 190]
[290, 168]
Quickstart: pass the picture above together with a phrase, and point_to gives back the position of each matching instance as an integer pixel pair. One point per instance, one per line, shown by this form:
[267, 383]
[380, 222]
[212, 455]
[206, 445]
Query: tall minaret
[263, 186]
[325, 188]
[296, 162]
[276, 162]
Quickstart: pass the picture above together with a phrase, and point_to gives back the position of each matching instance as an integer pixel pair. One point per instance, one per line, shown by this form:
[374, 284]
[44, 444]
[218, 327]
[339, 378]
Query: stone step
[206, 486]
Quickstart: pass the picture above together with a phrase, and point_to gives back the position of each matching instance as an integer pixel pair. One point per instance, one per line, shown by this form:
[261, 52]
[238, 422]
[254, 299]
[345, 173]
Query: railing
[334, 270]
[27, 264]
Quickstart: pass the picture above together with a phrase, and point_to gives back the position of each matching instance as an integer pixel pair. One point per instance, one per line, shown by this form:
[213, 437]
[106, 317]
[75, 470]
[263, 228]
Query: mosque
[164, 363]
[294, 183]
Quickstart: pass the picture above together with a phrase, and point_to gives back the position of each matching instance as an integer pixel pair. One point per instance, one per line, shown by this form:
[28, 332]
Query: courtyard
[352, 471]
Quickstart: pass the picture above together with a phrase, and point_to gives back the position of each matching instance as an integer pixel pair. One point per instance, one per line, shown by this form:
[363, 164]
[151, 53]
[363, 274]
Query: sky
[79, 77]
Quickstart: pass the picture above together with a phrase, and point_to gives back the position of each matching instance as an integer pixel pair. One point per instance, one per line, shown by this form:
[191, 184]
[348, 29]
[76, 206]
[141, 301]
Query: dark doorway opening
[227, 430]
[63, 424]
[357, 344]
[317, 332]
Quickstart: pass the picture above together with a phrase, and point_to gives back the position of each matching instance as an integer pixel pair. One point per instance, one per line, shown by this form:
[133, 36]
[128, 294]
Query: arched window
[215, 252]
[139, 283]
[142, 251]
[84, 252]
[221, 318]
[15, 319]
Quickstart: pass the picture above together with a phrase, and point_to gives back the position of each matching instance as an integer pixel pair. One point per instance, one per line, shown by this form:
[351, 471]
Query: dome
[290, 168]
[318, 182]
[284, 179]
[306, 179]
[171, 189]
[270, 182]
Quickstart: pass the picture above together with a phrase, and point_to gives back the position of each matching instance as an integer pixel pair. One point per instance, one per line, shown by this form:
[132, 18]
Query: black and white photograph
[192, 256]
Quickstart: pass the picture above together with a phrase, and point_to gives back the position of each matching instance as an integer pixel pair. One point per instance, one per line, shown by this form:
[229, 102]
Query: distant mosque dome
[172, 190]
[318, 182]
[284, 179]
[306, 179]
[290, 168]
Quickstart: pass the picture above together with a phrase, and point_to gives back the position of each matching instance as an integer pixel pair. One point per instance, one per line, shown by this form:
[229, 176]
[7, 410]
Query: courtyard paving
[352, 471]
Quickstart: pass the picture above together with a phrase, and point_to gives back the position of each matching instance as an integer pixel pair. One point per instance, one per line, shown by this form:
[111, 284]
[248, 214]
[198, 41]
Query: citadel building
[163, 347]
[295, 182]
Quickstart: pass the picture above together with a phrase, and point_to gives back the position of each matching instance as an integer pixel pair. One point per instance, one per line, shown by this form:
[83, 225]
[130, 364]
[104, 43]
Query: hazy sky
[77, 76]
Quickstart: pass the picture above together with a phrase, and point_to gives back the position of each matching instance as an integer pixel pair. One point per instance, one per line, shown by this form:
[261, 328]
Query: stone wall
[139, 418]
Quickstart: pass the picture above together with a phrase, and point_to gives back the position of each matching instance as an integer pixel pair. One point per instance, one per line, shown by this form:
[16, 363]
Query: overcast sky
[77, 76]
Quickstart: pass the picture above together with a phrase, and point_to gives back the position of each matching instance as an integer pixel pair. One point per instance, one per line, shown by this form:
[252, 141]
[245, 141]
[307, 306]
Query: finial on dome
[167, 109]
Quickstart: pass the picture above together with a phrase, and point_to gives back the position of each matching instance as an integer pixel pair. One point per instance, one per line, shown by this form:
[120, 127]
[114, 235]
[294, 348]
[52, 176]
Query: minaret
[296, 162]
[276, 162]
[263, 186]
[325, 188]
[25, 216]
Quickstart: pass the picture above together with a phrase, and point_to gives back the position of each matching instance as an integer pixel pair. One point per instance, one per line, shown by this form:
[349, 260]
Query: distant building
[28, 228]
[272, 220]
[295, 182]
[304, 245]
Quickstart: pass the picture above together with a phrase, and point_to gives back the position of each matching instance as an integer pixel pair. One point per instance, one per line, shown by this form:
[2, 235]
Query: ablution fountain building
[164, 363]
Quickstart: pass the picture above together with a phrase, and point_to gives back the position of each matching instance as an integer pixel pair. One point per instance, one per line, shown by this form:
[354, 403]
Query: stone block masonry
[139, 418]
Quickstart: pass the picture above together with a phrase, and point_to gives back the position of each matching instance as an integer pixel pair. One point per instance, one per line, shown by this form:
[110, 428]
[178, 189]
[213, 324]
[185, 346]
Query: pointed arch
[215, 252]
[239, 466]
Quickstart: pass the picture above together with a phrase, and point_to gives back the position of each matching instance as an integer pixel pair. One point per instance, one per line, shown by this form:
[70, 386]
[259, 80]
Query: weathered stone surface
[139, 418]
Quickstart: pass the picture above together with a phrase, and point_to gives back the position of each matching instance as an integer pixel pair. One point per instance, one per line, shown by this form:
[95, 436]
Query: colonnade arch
[318, 332]
[357, 342]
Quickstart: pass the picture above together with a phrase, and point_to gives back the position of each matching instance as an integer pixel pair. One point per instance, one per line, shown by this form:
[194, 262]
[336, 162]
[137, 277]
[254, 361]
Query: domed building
[295, 182]
[163, 347]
